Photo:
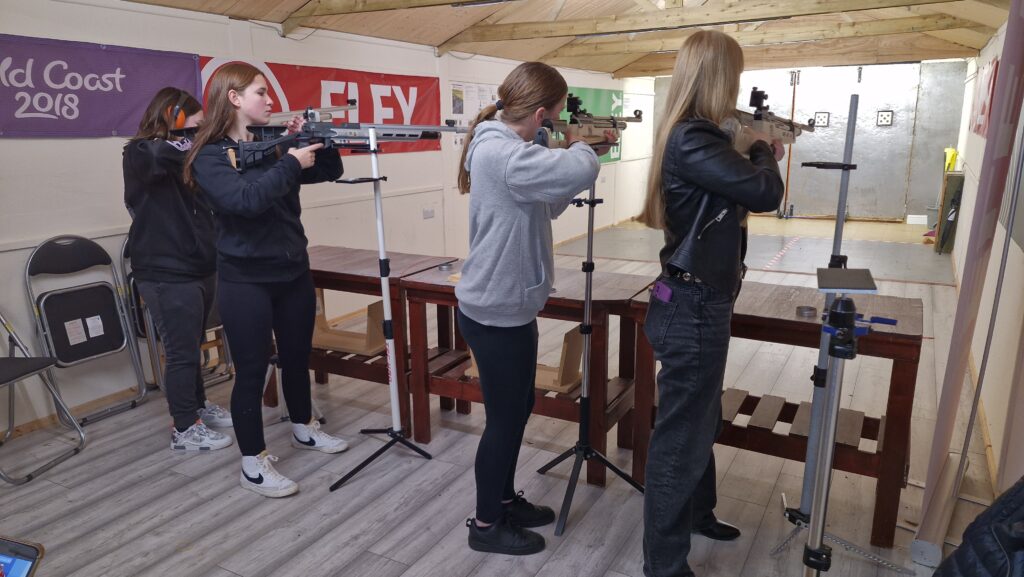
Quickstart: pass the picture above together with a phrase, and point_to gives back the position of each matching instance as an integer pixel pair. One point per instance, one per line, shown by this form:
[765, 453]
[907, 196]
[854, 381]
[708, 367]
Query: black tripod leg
[362, 465]
[374, 431]
[563, 515]
[557, 460]
[405, 442]
[617, 471]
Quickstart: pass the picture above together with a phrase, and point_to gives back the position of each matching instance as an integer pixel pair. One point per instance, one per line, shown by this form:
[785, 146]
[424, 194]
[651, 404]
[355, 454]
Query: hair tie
[499, 104]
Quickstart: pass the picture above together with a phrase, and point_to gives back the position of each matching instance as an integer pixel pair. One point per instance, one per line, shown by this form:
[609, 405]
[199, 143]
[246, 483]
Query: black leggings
[251, 313]
[507, 360]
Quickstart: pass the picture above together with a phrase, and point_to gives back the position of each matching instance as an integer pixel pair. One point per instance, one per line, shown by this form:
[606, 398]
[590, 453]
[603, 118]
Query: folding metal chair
[142, 321]
[78, 323]
[16, 369]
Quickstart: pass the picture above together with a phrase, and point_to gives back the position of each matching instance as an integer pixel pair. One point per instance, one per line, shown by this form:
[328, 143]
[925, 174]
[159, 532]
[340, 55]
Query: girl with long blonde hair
[699, 191]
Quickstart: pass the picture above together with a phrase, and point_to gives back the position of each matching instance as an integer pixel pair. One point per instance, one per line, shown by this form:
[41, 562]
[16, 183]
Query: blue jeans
[689, 331]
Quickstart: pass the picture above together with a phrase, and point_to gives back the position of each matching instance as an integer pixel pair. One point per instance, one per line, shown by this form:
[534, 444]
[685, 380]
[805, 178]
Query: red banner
[380, 98]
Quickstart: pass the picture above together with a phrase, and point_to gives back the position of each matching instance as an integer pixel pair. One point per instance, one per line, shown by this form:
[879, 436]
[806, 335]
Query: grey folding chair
[142, 321]
[79, 321]
[14, 369]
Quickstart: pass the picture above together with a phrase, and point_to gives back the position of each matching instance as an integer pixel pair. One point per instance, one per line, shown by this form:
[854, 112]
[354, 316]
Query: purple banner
[53, 88]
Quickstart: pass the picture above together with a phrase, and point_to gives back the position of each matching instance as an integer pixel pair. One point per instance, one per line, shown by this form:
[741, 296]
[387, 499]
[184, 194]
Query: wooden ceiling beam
[674, 18]
[502, 13]
[340, 7]
[801, 33]
[836, 52]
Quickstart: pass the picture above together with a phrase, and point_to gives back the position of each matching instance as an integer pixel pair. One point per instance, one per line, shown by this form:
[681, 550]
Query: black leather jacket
[708, 188]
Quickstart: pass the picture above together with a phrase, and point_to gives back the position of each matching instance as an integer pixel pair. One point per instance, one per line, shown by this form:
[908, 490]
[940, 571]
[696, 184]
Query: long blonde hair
[705, 84]
[529, 86]
[220, 113]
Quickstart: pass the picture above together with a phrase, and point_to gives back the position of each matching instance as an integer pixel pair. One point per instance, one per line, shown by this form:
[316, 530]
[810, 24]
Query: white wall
[1003, 401]
[50, 187]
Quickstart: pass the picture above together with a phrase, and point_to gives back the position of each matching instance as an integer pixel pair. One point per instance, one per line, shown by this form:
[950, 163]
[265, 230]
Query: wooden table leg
[419, 376]
[895, 452]
[462, 407]
[627, 360]
[401, 356]
[444, 341]
[320, 377]
[598, 394]
[643, 404]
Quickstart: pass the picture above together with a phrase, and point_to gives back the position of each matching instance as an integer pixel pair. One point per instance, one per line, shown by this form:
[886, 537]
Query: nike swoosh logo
[309, 443]
[254, 480]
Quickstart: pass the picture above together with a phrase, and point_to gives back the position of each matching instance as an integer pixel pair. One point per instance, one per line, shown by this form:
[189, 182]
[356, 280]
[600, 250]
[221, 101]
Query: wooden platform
[128, 507]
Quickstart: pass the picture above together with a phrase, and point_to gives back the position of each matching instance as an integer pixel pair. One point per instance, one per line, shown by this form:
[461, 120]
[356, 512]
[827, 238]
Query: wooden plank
[838, 52]
[767, 412]
[803, 33]
[849, 427]
[802, 422]
[338, 7]
[686, 17]
[731, 401]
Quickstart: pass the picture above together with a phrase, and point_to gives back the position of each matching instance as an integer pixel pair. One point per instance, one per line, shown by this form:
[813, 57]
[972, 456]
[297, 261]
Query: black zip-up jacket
[172, 234]
[260, 237]
[708, 189]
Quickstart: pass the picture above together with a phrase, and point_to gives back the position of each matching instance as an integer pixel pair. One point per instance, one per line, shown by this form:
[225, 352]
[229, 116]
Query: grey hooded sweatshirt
[517, 188]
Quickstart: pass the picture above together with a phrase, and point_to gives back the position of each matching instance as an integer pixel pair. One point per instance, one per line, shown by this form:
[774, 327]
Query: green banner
[600, 102]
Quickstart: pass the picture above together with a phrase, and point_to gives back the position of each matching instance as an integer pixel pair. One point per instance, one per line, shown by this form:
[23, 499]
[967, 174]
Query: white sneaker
[262, 478]
[198, 437]
[215, 416]
[311, 437]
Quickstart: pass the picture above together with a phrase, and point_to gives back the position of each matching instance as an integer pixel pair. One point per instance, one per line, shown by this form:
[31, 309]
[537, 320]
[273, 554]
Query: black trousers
[507, 360]
[252, 313]
[179, 311]
[689, 331]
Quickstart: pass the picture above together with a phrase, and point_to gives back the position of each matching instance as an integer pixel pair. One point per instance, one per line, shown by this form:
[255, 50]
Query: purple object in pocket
[662, 292]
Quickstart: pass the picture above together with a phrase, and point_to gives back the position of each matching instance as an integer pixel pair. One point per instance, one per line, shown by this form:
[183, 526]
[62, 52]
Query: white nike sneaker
[262, 478]
[215, 416]
[311, 437]
[198, 437]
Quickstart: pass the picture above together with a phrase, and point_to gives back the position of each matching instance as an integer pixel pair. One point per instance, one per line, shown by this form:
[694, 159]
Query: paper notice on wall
[95, 325]
[76, 332]
[469, 98]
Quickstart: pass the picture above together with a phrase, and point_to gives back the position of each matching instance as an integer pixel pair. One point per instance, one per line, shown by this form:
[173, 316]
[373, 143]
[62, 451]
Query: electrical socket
[885, 117]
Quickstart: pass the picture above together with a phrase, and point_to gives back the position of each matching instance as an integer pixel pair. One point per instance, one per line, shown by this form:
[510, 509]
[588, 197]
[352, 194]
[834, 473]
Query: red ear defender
[176, 116]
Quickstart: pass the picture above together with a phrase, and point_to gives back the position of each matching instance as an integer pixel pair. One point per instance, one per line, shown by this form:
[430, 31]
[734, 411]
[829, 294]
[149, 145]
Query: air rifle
[585, 125]
[764, 120]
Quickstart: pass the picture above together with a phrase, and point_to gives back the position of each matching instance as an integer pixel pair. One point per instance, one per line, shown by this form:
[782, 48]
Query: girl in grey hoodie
[516, 188]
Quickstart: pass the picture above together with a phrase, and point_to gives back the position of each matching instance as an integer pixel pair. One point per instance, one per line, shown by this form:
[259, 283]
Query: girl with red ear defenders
[171, 245]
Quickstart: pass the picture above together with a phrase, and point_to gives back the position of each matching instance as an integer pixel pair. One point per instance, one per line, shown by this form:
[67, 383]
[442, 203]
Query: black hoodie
[260, 236]
[172, 234]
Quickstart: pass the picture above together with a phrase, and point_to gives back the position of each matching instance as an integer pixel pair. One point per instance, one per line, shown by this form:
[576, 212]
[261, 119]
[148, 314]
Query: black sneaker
[504, 538]
[523, 513]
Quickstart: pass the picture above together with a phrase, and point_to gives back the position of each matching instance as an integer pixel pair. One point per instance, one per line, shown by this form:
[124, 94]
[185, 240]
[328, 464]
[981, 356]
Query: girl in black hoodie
[171, 246]
[264, 283]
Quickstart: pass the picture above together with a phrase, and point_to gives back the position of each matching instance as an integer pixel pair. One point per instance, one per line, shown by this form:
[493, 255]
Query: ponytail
[529, 86]
[487, 113]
